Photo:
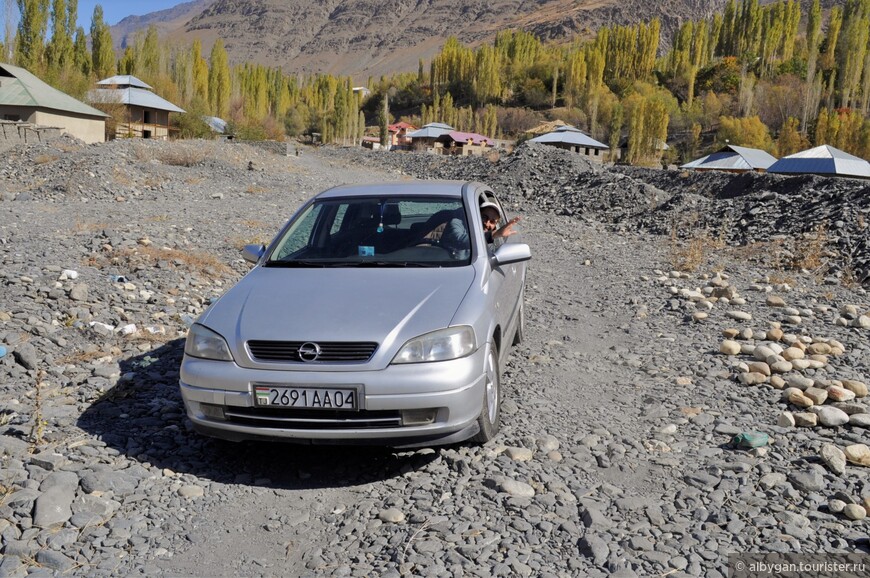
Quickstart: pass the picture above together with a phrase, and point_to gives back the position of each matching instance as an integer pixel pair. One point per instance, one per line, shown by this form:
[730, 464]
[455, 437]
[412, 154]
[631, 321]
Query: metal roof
[822, 160]
[215, 123]
[133, 97]
[733, 158]
[431, 130]
[20, 88]
[123, 80]
[569, 135]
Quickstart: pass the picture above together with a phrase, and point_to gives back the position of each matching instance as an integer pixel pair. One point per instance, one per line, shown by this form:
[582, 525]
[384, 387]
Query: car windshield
[390, 231]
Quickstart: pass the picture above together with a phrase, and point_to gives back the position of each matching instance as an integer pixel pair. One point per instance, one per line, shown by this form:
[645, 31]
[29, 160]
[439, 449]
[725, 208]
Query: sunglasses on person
[490, 219]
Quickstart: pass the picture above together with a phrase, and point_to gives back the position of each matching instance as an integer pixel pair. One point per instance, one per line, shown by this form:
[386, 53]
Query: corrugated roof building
[573, 139]
[463, 143]
[142, 113]
[734, 159]
[24, 97]
[823, 160]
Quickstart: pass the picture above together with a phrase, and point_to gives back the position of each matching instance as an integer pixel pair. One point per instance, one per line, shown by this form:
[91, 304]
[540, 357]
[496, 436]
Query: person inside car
[491, 217]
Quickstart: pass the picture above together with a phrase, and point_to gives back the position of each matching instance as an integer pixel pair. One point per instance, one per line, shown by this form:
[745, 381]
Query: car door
[510, 284]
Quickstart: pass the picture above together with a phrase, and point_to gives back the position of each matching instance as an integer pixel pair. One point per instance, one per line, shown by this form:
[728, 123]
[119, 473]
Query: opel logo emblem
[309, 351]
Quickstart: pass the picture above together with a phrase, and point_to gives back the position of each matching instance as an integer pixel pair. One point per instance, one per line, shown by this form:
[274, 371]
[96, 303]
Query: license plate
[306, 397]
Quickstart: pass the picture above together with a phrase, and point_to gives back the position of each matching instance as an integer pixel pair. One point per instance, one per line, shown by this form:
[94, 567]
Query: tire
[489, 419]
[520, 335]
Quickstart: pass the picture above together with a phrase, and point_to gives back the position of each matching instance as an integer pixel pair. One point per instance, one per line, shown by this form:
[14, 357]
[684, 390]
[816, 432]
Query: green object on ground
[750, 439]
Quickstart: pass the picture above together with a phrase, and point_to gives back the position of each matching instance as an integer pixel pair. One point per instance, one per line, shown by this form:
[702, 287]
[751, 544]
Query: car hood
[383, 305]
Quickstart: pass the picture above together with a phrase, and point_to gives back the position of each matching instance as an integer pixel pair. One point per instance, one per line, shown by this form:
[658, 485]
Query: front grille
[330, 351]
[312, 419]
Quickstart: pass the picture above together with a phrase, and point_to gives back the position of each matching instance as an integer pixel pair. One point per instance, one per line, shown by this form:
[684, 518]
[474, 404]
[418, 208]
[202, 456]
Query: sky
[115, 10]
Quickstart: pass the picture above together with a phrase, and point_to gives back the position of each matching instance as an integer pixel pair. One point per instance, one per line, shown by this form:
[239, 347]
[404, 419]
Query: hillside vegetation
[771, 77]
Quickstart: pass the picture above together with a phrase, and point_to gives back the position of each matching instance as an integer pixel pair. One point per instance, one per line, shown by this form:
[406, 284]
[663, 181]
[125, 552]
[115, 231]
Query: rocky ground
[667, 314]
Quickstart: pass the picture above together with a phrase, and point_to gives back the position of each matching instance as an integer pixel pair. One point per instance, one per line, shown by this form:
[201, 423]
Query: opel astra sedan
[378, 315]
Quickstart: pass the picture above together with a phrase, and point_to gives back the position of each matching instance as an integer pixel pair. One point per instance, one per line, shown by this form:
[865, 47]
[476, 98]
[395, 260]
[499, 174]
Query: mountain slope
[365, 38]
[166, 21]
[373, 37]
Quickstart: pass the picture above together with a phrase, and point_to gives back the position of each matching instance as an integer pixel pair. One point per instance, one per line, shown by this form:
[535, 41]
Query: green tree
[852, 50]
[746, 131]
[102, 52]
[29, 42]
[790, 139]
[81, 56]
[384, 121]
[200, 72]
[59, 53]
[219, 81]
[813, 35]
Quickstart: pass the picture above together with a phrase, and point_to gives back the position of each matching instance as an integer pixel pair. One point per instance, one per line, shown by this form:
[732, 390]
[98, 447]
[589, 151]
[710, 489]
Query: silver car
[379, 314]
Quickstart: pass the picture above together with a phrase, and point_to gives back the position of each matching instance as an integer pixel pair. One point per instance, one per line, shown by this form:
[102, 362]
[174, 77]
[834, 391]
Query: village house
[426, 137]
[463, 143]
[142, 113]
[575, 140]
[399, 138]
[34, 105]
[733, 159]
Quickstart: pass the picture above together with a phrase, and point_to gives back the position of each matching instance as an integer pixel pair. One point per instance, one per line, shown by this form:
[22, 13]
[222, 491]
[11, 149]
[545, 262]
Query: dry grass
[252, 189]
[240, 242]
[66, 146]
[80, 357]
[39, 422]
[811, 254]
[690, 254]
[89, 228]
[121, 178]
[153, 181]
[157, 219]
[177, 154]
[45, 159]
[779, 279]
[254, 224]
[131, 258]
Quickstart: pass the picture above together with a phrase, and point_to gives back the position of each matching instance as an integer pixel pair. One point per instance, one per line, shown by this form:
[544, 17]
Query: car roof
[405, 188]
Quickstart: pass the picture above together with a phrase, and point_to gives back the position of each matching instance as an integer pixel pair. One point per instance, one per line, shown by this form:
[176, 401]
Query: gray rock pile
[741, 210]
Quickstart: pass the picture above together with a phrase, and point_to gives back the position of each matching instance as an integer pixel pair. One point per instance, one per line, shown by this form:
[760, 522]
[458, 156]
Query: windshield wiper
[298, 263]
[390, 264]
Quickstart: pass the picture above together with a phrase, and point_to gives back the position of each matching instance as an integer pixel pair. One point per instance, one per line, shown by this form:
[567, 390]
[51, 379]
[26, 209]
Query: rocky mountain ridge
[366, 38]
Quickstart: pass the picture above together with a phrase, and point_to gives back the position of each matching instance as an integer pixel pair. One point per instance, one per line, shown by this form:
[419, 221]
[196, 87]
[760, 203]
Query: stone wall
[15, 133]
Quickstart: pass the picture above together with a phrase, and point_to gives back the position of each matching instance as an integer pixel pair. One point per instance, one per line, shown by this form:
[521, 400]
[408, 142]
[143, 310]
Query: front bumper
[452, 389]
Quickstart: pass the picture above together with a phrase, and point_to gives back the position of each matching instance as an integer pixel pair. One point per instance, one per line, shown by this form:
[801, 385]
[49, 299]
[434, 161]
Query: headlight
[441, 345]
[205, 343]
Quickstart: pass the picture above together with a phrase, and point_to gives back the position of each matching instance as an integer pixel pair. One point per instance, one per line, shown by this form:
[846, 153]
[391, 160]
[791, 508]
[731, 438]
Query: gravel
[616, 453]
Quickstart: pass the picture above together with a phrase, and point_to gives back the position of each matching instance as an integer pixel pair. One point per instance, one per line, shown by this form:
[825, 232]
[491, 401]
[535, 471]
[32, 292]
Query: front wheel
[489, 420]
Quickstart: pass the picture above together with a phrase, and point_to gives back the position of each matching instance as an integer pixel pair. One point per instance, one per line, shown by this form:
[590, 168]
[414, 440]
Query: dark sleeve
[455, 236]
[488, 236]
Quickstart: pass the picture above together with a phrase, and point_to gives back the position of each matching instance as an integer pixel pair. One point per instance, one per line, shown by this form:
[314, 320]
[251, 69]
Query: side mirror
[512, 253]
[252, 253]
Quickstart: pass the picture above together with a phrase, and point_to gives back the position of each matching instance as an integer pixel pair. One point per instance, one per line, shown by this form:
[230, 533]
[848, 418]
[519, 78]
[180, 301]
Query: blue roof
[124, 80]
[431, 130]
[822, 160]
[216, 124]
[133, 97]
[571, 136]
[733, 158]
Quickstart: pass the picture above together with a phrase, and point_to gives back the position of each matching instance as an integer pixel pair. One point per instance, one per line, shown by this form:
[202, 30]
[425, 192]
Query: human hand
[507, 230]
